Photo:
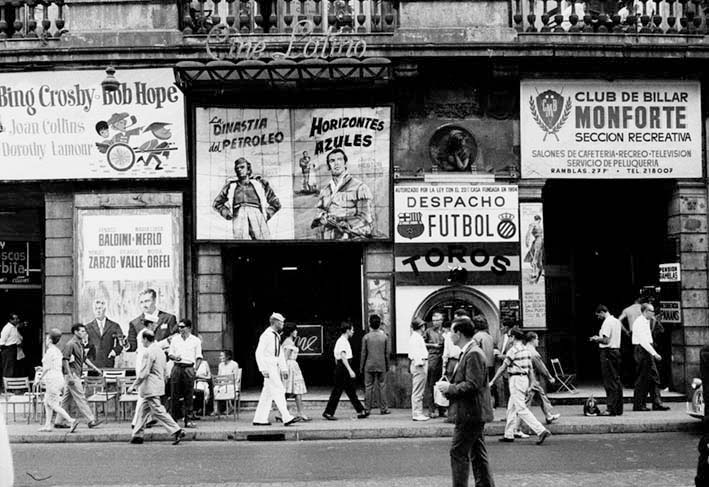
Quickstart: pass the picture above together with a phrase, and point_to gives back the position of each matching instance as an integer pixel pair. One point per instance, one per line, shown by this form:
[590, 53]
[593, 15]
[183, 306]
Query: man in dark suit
[374, 363]
[470, 409]
[166, 323]
[105, 336]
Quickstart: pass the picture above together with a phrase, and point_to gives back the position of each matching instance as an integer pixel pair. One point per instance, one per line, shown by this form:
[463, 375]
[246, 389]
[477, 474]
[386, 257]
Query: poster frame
[171, 202]
[105, 180]
[192, 172]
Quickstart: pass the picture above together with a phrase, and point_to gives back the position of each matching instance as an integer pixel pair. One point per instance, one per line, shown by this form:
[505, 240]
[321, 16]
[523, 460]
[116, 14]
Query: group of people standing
[643, 327]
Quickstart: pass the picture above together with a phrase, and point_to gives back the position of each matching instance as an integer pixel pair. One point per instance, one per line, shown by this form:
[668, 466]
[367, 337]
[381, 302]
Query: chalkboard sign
[509, 312]
[19, 262]
[309, 340]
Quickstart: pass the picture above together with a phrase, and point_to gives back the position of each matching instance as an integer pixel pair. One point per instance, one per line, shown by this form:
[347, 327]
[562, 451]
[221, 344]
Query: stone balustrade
[683, 17]
[281, 16]
[42, 19]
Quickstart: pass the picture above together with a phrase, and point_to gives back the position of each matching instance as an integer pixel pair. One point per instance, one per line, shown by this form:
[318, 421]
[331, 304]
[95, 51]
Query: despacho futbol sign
[601, 130]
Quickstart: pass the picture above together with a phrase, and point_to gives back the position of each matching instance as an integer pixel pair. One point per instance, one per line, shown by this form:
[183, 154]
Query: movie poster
[533, 284]
[64, 125]
[292, 174]
[121, 252]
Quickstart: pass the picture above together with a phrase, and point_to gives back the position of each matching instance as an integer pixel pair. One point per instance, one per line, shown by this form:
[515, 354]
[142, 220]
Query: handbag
[439, 399]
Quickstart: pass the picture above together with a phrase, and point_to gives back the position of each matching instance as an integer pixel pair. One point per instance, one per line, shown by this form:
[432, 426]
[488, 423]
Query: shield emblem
[410, 225]
[550, 105]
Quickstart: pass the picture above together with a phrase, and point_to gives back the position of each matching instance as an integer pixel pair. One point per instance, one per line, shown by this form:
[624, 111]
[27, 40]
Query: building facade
[330, 160]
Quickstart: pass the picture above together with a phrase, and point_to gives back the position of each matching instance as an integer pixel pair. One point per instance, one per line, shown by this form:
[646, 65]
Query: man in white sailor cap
[273, 367]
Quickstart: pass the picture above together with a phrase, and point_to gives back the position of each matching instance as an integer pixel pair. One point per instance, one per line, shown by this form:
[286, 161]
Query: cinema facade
[522, 195]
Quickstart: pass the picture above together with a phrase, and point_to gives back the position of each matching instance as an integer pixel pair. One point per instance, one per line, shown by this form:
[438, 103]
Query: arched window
[448, 299]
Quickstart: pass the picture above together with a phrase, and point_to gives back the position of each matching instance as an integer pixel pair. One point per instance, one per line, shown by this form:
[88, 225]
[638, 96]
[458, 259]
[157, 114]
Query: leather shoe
[661, 407]
[363, 415]
[261, 424]
[329, 417]
[178, 436]
[294, 420]
[643, 409]
[553, 418]
[545, 434]
[95, 423]
[62, 426]
[504, 439]
[136, 440]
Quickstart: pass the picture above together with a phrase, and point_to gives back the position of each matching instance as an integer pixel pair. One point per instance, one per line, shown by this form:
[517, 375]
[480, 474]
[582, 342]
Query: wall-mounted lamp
[110, 84]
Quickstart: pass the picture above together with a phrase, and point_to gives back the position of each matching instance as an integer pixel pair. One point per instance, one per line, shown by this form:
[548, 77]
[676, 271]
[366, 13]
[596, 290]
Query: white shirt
[10, 335]
[189, 350]
[268, 352]
[642, 336]
[229, 368]
[611, 329]
[450, 350]
[418, 354]
[342, 345]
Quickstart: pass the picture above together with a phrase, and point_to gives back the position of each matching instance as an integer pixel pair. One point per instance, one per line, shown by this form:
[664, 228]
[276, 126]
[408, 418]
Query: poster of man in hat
[329, 168]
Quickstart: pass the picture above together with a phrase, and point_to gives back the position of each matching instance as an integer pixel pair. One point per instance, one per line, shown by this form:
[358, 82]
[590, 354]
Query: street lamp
[110, 84]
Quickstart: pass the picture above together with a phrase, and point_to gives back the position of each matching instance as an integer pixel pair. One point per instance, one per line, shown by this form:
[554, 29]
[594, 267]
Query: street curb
[295, 433]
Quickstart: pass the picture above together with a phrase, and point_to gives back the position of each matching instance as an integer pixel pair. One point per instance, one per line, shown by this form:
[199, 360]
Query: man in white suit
[272, 366]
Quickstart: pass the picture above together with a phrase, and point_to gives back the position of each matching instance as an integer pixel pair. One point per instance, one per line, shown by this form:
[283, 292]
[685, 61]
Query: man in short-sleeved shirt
[344, 376]
[608, 340]
[648, 379]
[186, 354]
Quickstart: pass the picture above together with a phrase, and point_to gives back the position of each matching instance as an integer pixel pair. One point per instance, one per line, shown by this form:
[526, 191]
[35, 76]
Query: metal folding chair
[17, 392]
[97, 392]
[228, 388]
[566, 381]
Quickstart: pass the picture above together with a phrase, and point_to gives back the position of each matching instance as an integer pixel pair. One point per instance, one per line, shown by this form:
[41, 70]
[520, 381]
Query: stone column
[59, 262]
[687, 221]
[211, 302]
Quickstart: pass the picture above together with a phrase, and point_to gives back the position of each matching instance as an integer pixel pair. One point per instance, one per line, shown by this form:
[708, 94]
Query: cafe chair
[17, 392]
[228, 388]
[126, 398]
[97, 392]
[565, 381]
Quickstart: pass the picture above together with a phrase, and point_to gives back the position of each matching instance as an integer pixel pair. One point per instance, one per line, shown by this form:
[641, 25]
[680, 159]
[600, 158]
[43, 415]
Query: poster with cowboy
[293, 174]
[65, 126]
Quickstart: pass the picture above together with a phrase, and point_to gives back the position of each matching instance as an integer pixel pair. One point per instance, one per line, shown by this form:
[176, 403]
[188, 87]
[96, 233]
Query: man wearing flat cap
[272, 365]
[248, 202]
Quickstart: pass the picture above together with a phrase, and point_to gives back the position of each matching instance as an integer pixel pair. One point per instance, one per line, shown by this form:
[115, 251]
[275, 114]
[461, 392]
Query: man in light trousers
[151, 384]
[272, 366]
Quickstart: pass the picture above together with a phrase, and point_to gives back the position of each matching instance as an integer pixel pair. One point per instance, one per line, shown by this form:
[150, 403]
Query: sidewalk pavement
[396, 425]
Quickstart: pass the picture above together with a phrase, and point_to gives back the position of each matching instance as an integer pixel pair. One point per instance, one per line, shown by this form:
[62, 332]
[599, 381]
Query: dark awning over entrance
[285, 71]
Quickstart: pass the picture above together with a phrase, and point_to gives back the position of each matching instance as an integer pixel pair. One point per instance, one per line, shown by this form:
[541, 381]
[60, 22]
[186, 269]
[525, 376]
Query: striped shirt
[519, 360]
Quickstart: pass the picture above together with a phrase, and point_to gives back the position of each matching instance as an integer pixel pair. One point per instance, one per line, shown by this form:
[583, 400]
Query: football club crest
[550, 112]
[410, 225]
[506, 228]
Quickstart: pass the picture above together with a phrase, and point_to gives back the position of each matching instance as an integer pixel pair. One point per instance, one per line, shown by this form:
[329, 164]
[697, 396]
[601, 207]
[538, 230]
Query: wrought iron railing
[42, 19]
[611, 17]
[281, 16]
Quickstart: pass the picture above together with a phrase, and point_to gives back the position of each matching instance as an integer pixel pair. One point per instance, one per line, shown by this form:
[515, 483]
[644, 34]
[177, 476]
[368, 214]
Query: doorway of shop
[27, 304]
[603, 243]
[314, 286]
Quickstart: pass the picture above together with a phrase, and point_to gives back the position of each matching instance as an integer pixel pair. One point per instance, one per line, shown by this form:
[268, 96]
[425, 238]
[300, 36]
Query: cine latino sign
[607, 130]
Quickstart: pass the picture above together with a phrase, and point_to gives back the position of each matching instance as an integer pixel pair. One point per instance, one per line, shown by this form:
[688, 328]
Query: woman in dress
[53, 380]
[295, 384]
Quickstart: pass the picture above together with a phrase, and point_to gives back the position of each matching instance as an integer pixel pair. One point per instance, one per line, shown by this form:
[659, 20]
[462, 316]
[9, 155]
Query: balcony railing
[612, 17]
[281, 16]
[41, 19]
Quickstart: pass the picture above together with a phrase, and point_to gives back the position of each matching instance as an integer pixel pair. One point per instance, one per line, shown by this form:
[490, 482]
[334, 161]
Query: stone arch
[464, 293]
